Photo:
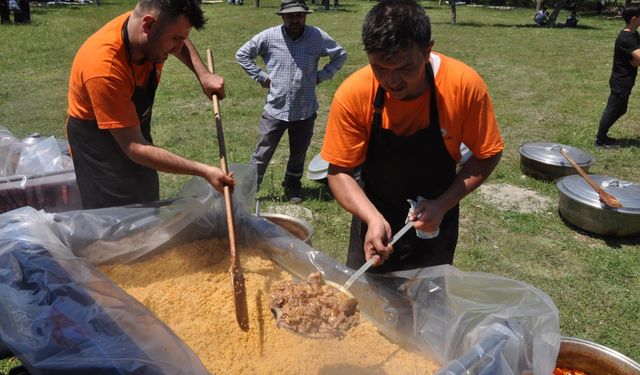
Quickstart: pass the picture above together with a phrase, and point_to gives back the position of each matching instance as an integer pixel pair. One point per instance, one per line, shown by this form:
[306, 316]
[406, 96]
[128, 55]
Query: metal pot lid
[318, 164]
[465, 153]
[32, 138]
[549, 153]
[628, 193]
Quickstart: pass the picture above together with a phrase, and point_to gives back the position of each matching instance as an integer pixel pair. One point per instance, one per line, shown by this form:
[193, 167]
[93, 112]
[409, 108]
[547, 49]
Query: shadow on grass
[319, 191]
[340, 8]
[612, 242]
[629, 142]
[518, 26]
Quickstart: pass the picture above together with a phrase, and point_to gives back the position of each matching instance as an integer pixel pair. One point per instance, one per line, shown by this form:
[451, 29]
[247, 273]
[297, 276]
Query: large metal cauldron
[580, 205]
[594, 359]
[543, 160]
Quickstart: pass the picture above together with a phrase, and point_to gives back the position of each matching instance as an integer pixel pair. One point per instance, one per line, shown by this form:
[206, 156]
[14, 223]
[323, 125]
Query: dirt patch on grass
[293, 210]
[507, 197]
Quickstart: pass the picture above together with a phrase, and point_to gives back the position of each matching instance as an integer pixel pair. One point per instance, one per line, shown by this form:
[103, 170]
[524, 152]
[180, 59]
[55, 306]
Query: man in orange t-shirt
[401, 121]
[111, 91]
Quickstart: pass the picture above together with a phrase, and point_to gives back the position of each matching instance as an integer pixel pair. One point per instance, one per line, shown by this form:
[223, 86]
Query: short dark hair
[392, 25]
[172, 9]
[630, 12]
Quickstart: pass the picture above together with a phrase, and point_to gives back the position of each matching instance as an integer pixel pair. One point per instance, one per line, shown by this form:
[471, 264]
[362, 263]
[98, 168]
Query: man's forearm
[351, 197]
[164, 161]
[474, 172]
[190, 57]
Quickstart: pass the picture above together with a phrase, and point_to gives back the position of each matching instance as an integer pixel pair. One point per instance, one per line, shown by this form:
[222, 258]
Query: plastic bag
[9, 154]
[471, 323]
[41, 157]
[62, 316]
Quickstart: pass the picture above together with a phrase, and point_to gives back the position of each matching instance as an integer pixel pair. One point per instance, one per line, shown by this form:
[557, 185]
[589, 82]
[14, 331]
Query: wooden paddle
[605, 197]
[237, 277]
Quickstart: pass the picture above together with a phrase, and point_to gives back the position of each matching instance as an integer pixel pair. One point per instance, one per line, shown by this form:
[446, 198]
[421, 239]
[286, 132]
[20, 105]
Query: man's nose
[394, 79]
[178, 47]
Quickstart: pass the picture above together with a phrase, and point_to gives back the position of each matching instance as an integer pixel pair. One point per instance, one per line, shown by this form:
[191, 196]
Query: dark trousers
[19, 16]
[25, 15]
[271, 131]
[616, 107]
[4, 11]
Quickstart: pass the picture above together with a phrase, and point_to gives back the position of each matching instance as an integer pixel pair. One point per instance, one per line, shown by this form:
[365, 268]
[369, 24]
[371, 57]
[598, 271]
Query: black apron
[400, 168]
[105, 176]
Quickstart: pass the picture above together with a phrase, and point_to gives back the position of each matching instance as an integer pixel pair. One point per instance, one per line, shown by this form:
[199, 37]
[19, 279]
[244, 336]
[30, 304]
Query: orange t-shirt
[464, 108]
[102, 79]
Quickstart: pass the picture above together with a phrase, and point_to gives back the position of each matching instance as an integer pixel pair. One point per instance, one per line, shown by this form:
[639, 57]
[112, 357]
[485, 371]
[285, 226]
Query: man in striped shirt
[291, 53]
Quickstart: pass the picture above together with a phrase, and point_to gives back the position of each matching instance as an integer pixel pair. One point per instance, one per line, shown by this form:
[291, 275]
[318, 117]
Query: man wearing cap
[291, 53]
[401, 120]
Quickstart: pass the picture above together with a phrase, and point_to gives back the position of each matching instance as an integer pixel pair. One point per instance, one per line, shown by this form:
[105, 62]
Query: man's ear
[148, 22]
[429, 48]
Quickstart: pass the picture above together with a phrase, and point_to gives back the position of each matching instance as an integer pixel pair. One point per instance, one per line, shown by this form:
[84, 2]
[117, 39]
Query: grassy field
[546, 84]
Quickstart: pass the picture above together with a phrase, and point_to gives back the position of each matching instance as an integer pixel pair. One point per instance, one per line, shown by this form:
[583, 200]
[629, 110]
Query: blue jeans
[616, 107]
[271, 131]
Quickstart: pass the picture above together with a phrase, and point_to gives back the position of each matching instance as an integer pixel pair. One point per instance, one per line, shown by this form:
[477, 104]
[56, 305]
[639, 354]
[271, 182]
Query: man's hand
[212, 84]
[428, 215]
[219, 180]
[266, 84]
[377, 239]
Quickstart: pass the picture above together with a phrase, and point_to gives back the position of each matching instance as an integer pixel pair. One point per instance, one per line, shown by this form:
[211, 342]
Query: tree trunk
[554, 15]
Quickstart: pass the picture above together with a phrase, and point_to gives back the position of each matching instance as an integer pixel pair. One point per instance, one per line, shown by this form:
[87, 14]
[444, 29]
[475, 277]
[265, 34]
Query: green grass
[546, 84]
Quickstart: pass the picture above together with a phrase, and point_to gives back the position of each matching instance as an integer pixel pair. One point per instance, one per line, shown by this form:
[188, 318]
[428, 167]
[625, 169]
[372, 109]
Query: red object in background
[53, 192]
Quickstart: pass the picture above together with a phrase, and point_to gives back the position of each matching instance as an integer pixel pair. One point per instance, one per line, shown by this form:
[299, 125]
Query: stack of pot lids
[465, 153]
[549, 153]
[576, 188]
[317, 169]
[32, 139]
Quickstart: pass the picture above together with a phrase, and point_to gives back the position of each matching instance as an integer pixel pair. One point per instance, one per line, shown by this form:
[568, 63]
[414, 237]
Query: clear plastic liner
[471, 323]
[38, 173]
[42, 157]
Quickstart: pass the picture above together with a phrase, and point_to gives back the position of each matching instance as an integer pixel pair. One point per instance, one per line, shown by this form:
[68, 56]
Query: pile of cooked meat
[313, 309]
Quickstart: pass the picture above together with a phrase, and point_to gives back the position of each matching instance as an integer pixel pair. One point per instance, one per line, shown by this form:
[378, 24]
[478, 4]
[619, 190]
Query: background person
[541, 17]
[5, 13]
[111, 91]
[572, 20]
[21, 11]
[626, 59]
[291, 52]
[409, 144]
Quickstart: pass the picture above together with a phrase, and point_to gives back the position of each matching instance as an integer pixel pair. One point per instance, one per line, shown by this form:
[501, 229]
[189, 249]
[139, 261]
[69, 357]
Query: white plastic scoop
[375, 258]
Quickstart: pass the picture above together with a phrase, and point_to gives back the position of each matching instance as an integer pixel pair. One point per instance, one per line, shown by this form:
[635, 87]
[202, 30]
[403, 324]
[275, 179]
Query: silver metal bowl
[297, 227]
[594, 359]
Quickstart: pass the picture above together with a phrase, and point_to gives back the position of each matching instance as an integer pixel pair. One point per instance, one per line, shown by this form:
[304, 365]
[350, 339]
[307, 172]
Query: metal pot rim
[576, 188]
[601, 349]
[548, 153]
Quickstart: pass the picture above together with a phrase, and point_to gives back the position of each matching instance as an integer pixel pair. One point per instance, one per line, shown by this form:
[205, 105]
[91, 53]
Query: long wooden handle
[605, 197]
[237, 277]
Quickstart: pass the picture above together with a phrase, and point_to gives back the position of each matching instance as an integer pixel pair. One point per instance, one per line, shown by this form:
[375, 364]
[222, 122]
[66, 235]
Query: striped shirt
[292, 67]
